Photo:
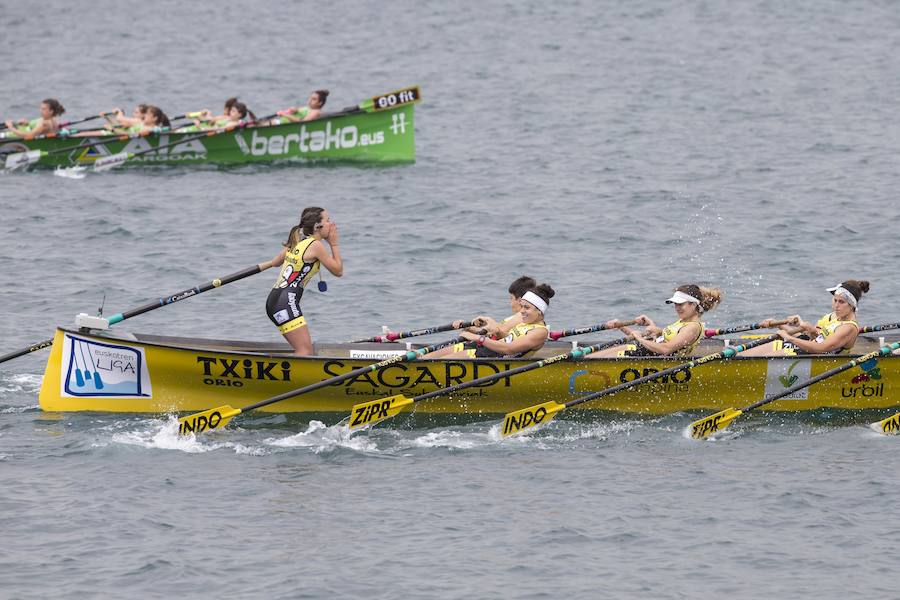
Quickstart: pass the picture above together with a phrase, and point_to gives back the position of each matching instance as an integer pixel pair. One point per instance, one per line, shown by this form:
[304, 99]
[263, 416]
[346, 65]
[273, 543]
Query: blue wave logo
[94, 368]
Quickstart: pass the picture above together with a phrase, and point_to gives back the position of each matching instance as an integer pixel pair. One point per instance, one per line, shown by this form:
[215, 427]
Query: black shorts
[283, 308]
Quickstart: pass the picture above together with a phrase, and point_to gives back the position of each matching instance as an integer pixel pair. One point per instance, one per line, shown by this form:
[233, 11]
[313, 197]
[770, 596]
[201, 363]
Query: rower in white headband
[840, 290]
[536, 301]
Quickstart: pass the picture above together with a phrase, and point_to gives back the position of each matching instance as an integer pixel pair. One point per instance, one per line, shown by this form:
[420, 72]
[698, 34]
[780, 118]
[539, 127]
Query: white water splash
[320, 438]
[16, 383]
[71, 172]
[168, 438]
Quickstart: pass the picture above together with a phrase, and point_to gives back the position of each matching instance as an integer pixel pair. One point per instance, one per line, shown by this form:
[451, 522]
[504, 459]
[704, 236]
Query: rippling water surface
[612, 149]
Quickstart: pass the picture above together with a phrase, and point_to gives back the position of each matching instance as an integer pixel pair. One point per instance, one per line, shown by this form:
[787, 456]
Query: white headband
[535, 300]
[681, 297]
[844, 293]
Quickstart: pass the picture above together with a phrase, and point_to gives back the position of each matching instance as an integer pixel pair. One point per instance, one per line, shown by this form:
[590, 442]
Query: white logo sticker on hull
[783, 373]
[93, 368]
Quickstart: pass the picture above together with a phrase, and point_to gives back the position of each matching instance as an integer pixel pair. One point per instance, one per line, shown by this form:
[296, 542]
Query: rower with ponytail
[303, 252]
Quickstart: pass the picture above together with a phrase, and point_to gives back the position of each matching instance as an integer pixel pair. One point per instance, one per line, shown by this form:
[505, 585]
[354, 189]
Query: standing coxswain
[300, 259]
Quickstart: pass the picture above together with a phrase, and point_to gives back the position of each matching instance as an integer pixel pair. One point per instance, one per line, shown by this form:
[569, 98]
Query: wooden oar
[160, 302]
[218, 417]
[375, 411]
[519, 420]
[393, 336]
[705, 427]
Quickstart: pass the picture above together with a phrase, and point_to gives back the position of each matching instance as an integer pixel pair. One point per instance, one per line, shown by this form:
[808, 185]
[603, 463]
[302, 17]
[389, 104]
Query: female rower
[680, 338]
[300, 258]
[46, 124]
[524, 339]
[154, 118]
[312, 110]
[485, 325]
[133, 124]
[834, 333]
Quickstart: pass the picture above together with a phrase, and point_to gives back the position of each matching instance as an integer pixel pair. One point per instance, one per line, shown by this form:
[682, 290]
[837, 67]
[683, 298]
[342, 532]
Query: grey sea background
[611, 149]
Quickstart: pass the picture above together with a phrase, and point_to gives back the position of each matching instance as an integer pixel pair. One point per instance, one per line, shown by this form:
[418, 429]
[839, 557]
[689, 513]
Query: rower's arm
[278, 259]
[844, 336]
[530, 341]
[685, 337]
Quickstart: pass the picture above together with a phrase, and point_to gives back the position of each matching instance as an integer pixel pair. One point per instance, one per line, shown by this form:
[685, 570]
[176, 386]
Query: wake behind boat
[380, 129]
[91, 370]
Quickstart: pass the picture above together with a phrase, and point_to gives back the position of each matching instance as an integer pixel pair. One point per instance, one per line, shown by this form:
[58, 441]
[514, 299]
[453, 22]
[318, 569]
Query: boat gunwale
[183, 343]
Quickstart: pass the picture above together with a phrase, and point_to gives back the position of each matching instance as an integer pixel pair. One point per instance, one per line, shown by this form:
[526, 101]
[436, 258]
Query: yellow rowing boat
[91, 370]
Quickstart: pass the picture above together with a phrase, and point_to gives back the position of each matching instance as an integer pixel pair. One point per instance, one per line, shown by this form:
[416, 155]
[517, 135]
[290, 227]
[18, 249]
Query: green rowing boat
[380, 129]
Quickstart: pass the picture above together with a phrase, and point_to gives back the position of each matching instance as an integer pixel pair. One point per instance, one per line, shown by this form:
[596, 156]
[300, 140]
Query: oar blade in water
[889, 426]
[375, 411]
[71, 172]
[20, 159]
[213, 418]
[705, 427]
[520, 420]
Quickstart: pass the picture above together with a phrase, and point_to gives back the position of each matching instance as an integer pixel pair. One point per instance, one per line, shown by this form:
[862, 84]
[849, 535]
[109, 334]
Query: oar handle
[409, 355]
[724, 353]
[394, 336]
[739, 328]
[575, 354]
[555, 335]
[199, 289]
[883, 351]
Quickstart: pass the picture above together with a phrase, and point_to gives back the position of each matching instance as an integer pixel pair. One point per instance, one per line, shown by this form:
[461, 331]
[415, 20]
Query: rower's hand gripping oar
[705, 427]
[216, 418]
[394, 336]
[159, 303]
[555, 335]
[375, 411]
[520, 420]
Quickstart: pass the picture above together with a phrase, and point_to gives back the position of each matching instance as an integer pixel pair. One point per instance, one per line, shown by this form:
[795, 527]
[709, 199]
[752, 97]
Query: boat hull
[153, 374]
[384, 136]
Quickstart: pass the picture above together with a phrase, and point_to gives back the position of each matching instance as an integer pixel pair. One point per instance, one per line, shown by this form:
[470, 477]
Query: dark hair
[230, 102]
[161, 119]
[323, 95]
[544, 291]
[142, 108]
[55, 107]
[309, 218]
[241, 108]
[856, 287]
[709, 298]
[521, 285]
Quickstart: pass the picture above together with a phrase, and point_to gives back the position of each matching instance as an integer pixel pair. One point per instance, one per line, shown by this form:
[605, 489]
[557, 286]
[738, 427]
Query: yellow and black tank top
[673, 329]
[827, 325]
[521, 330]
[295, 272]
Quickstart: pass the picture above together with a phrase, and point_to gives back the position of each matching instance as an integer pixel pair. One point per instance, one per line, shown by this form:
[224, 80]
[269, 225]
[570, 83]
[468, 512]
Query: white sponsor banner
[378, 354]
[782, 373]
[93, 368]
